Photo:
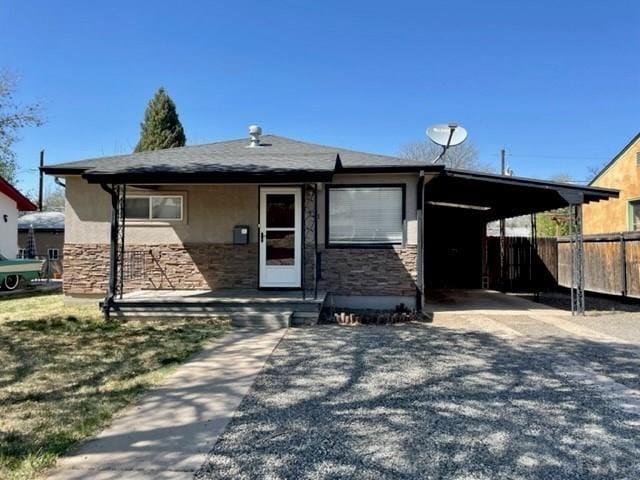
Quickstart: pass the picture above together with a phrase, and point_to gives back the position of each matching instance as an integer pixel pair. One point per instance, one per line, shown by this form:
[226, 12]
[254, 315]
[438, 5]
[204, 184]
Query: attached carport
[457, 205]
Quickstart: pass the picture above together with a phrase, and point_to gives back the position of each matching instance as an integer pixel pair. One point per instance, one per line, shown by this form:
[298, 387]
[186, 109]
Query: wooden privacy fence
[611, 263]
[526, 268]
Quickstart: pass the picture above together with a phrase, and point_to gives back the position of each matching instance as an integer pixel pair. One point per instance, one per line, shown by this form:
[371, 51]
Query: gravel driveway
[447, 400]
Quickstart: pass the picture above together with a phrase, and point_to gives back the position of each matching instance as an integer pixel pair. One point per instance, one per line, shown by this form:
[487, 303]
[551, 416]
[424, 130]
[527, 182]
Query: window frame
[372, 245]
[630, 203]
[150, 219]
[49, 250]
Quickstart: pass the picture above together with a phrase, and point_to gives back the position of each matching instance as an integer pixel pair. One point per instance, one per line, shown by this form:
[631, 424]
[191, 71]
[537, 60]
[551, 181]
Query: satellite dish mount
[446, 135]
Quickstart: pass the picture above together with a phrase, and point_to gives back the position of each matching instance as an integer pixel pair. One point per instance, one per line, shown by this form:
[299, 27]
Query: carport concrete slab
[169, 432]
[484, 302]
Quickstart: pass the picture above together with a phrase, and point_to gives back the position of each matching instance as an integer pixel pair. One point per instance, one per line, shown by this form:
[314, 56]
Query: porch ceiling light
[459, 205]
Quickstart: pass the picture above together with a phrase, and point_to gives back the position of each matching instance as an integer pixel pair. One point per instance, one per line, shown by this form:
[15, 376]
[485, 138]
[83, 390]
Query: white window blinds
[365, 215]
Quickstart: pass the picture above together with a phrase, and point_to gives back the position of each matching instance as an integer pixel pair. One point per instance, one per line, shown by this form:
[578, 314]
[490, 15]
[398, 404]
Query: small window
[137, 208]
[634, 215]
[53, 254]
[22, 253]
[365, 215]
[156, 207]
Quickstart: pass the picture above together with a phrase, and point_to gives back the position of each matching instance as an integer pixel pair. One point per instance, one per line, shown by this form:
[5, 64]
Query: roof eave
[62, 171]
[615, 159]
[131, 178]
[391, 169]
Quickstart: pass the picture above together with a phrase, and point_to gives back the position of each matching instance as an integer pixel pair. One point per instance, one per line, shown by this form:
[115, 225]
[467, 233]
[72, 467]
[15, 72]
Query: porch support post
[121, 218]
[420, 280]
[316, 258]
[303, 266]
[113, 191]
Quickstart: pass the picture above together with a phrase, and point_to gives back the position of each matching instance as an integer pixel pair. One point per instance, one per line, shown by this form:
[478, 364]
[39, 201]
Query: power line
[568, 157]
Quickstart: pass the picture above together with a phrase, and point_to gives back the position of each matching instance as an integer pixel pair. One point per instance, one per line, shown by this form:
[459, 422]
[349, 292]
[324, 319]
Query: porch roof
[276, 159]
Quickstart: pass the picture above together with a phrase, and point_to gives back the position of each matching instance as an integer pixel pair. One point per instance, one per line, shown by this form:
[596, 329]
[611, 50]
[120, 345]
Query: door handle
[261, 237]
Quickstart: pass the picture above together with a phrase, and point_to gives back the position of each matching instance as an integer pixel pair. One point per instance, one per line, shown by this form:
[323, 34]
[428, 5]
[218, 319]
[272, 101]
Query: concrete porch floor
[222, 296]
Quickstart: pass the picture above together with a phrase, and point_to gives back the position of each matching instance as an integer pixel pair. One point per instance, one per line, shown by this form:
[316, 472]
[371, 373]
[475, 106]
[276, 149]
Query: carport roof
[499, 196]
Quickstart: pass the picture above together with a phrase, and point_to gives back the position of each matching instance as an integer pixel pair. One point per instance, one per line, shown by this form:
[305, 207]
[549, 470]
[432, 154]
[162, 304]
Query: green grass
[64, 373]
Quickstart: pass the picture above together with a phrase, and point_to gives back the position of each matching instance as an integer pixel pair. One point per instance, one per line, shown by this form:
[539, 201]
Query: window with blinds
[365, 215]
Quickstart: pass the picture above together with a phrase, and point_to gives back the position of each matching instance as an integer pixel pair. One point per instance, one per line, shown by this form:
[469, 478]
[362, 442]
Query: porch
[244, 307]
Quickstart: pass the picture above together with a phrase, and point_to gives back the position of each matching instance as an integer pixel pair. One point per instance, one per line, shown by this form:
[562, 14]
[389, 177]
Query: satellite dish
[447, 135]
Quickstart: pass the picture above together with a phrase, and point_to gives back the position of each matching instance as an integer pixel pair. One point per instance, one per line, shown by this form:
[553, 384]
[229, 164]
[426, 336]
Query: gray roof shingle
[42, 221]
[276, 154]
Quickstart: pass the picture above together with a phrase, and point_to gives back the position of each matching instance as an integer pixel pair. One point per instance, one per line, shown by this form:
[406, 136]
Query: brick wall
[196, 266]
[363, 271]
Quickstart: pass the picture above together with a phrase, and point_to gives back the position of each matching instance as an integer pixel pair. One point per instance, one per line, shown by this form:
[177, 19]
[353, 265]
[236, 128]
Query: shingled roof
[276, 156]
[42, 221]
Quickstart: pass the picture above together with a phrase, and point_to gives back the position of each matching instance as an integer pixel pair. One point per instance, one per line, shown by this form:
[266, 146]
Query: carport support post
[577, 259]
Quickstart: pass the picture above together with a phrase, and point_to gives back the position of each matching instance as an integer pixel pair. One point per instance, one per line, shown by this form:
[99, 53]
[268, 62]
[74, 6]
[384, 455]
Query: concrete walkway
[169, 432]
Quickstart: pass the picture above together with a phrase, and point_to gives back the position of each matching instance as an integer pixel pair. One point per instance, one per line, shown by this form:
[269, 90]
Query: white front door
[280, 237]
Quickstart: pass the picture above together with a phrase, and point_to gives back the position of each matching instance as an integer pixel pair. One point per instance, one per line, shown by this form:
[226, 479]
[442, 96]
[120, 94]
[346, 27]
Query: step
[230, 309]
[260, 319]
[305, 318]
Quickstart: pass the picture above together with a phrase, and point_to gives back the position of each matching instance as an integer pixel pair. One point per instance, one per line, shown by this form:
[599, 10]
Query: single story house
[620, 214]
[272, 213]
[46, 231]
[11, 202]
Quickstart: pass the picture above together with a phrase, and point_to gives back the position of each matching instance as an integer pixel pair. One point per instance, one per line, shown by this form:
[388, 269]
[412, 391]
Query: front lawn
[64, 372]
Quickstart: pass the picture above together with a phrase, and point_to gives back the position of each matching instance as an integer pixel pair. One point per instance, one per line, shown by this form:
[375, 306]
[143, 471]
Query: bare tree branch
[13, 117]
[463, 156]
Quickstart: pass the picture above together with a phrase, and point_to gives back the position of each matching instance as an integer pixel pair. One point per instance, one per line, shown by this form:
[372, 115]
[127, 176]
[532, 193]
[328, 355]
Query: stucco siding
[8, 228]
[211, 212]
[613, 215]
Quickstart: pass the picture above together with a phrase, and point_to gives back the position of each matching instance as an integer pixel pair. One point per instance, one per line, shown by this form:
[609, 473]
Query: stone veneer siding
[195, 266]
[370, 271]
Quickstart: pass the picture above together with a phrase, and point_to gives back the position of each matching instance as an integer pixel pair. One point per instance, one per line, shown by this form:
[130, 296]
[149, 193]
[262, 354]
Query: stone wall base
[345, 271]
[189, 267]
[370, 271]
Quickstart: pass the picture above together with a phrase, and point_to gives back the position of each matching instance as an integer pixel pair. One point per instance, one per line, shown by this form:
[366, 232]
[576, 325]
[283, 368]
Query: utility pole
[503, 246]
[41, 182]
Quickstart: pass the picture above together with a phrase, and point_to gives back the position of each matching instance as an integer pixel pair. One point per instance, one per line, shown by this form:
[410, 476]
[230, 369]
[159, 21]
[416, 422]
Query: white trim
[280, 276]
[150, 220]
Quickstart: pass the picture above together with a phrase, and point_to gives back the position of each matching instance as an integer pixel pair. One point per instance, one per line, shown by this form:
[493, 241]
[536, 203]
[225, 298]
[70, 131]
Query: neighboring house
[275, 213]
[48, 236]
[620, 214]
[11, 202]
[514, 227]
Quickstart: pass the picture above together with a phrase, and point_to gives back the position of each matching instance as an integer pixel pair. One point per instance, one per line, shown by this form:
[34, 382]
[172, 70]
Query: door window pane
[365, 215]
[281, 210]
[166, 208]
[136, 208]
[280, 248]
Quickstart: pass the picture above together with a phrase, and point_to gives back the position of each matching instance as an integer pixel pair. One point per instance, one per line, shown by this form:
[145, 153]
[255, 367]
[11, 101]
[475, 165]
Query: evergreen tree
[161, 127]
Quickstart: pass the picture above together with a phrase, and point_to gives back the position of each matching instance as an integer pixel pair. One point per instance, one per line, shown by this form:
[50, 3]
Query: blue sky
[554, 82]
